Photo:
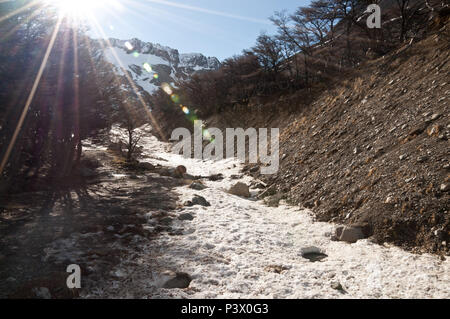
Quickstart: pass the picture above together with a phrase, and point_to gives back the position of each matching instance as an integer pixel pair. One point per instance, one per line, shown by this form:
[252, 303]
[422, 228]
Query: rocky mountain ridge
[150, 64]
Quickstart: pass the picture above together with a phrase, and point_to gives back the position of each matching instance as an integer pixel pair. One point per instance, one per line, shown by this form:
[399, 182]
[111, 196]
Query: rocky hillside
[373, 148]
[150, 64]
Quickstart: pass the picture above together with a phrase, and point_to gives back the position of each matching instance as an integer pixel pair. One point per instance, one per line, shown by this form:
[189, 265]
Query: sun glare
[80, 8]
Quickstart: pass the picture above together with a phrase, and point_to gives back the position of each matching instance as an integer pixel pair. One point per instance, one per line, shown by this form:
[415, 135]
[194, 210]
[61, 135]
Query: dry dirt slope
[371, 149]
[375, 149]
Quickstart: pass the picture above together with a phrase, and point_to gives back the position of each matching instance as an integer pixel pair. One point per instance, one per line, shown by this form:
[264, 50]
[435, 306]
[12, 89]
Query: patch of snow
[228, 247]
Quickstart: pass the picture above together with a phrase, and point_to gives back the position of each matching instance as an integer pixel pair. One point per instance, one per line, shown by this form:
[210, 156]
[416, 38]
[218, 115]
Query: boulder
[349, 234]
[240, 189]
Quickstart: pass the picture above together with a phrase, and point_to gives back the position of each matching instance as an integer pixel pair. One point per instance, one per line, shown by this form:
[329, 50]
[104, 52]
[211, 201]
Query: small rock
[258, 184]
[273, 201]
[146, 166]
[198, 200]
[422, 159]
[166, 221]
[42, 293]
[402, 157]
[445, 187]
[87, 172]
[186, 216]
[240, 189]
[278, 269]
[337, 286]
[254, 169]
[176, 280]
[435, 116]
[197, 186]
[313, 253]
[418, 129]
[215, 177]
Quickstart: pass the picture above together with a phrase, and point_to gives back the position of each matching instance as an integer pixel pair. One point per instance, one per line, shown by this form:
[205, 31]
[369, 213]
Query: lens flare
[129, 46]
[136, 54]
[206, 134]
[156, 76]
[166, 87]
[147, 67]
[175, 98]
[185, 110]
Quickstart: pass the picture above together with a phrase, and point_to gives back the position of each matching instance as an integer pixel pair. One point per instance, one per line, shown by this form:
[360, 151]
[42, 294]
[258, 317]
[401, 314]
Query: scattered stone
[313, 254]
[10, 279]
[278, 269]
[422, 159]
[186, 216]
[258, 184]
[166, 221]
[445, 187]
[86, 172]
[254, 169]
[418, 129]
[349, 234]
[402, 157]
[146, 166]
[435, 116]
[240, 189]
[274, 200]
[209, 246]
[236, 176]
[42, 293]
[176, 232]
[337, 286]
[197, 200]
[216, 177]
[176, 280]
[389, 200]
[268, 192]
[197, 186]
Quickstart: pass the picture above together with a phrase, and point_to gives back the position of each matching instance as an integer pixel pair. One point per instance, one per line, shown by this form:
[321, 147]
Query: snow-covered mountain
[150, 65]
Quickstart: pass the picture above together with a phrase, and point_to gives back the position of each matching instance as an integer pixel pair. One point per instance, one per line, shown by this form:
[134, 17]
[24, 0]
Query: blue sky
[218, 28]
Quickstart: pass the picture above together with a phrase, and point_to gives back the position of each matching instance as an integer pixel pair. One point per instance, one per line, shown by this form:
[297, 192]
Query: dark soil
[104, 214]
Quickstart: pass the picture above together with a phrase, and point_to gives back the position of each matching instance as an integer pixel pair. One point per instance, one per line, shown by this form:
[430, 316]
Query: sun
[78, 8]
